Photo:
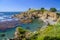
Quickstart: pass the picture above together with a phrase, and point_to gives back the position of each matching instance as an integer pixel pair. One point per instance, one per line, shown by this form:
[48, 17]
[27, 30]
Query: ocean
[6, 16]
[9, 33]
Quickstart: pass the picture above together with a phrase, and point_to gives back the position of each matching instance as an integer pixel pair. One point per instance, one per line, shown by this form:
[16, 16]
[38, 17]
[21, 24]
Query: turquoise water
[9, 33]
[35, 25]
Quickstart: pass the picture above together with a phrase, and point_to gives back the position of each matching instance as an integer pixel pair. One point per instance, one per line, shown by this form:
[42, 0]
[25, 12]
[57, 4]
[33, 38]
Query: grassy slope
[51, 30]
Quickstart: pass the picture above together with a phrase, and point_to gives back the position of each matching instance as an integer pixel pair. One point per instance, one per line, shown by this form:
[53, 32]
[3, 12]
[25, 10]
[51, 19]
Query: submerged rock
[2, 35]
[8, 24]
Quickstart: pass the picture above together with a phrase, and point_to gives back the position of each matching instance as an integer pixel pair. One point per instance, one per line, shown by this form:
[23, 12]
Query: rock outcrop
[49, 17]
[21, 34]
[26, 17]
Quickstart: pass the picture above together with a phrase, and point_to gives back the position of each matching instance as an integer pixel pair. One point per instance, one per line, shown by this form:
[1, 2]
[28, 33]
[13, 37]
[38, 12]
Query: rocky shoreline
[48, 17]
[28, 17]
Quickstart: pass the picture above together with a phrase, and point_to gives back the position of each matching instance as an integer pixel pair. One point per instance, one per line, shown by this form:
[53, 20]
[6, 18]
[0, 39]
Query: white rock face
[49, 17]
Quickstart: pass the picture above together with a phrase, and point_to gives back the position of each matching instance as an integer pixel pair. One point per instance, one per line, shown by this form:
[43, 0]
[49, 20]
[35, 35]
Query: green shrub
[53, 9]
[20, 30]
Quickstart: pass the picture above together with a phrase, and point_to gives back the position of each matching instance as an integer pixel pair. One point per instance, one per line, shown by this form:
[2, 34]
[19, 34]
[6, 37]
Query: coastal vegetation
[53, 9]
[51, 32]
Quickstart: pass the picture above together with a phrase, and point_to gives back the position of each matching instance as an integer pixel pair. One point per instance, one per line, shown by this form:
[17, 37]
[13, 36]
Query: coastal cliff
[30, 15]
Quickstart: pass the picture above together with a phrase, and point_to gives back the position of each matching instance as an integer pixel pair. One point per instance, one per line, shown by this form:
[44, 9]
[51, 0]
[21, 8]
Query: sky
[22, 5]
